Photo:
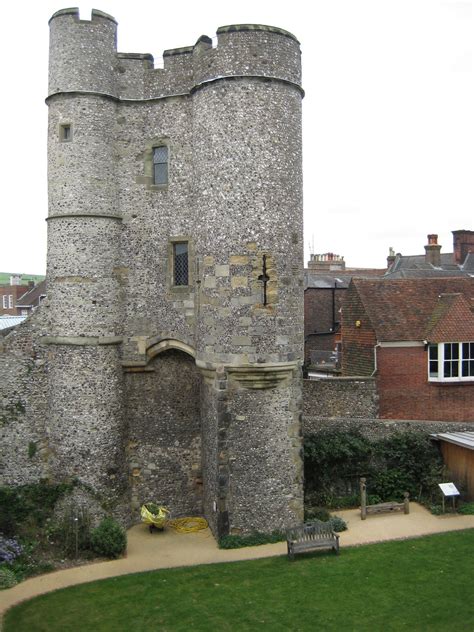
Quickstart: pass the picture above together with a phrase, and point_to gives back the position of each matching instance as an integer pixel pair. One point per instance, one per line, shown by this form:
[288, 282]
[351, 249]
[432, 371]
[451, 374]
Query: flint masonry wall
[24, 443]
[340, 397]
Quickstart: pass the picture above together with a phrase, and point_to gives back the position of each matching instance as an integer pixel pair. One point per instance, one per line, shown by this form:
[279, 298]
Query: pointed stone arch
[160, 345]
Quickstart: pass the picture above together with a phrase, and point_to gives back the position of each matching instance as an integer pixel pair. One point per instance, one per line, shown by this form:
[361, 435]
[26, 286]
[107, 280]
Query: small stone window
[65, 132]
[160, 165]
[180, 263]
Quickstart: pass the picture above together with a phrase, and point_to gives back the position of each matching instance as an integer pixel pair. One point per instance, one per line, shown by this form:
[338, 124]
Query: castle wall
[333, 398]
[24, 444]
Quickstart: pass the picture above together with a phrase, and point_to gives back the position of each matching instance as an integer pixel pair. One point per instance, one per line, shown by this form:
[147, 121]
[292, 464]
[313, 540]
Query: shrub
[316, 513]
[467, 509]
[7, 578]
[25, 508]
[109, 539]
[335, 461]
[337, 523]
[252, 539]
[72, 532]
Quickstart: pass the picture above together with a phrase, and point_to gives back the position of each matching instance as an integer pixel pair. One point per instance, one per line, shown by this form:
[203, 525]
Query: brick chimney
[433, 251]
[463, 244]
[390, 258]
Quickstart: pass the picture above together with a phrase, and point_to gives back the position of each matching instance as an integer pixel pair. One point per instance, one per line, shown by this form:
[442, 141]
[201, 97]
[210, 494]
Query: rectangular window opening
[160, 164]
[65, 132]
[180, 263]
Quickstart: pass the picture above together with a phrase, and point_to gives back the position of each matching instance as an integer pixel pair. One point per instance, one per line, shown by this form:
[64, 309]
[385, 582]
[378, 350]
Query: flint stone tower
[175, 252]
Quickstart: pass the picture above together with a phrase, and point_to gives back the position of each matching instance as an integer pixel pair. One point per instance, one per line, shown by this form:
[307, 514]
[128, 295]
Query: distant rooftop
[433, 263]
[7, 322]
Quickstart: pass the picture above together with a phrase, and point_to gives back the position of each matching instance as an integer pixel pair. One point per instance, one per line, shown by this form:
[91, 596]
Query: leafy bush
[335, 461]
[416, 465]
[7, 578]
[337, 523]
[467, 509]
[316, 513]
[109, 539]
[25, 508]
[252, 539]
[73, 531]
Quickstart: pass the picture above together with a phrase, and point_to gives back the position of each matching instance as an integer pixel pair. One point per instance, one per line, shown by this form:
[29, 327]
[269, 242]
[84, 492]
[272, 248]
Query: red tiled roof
[32, 296]
[412, 309]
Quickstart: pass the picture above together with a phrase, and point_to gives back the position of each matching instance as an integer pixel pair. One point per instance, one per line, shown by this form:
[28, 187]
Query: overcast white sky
[388, 132]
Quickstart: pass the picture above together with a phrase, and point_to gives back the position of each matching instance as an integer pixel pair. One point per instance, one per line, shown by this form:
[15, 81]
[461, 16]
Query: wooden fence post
[363, 499]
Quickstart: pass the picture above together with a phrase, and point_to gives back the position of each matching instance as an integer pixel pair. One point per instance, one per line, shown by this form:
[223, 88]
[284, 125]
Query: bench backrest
[310, 531]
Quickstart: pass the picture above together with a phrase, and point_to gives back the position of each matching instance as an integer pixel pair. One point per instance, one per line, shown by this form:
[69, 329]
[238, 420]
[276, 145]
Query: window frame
[148, 177]
[172, 243]
[156, 164]
[449, 357]
[175, 256]
[65, 132]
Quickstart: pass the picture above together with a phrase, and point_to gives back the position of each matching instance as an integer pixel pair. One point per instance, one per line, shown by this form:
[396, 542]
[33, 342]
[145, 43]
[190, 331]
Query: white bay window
[451, 362]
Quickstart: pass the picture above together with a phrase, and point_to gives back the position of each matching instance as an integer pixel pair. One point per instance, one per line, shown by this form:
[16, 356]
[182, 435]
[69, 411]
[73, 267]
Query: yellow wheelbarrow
[155, 516]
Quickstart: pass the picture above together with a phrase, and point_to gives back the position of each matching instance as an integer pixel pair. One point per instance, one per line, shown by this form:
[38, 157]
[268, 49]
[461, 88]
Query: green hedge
[335, 461]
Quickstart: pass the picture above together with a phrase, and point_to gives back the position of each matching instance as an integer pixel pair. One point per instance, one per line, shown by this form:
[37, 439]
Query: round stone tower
[248, 196]
[85, 378]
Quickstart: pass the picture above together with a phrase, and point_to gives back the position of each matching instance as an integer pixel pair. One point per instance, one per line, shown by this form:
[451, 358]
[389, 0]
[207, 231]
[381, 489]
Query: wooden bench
[310, 536]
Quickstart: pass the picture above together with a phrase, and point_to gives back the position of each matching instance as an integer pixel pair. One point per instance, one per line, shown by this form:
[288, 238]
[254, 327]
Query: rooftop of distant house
[434, 263]
[417, 309]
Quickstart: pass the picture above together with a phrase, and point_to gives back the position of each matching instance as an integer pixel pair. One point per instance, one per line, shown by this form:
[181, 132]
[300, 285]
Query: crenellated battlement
[84, 58]
[74, 12]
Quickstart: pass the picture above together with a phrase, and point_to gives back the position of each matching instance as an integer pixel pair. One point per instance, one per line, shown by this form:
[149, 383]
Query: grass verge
[422, 584]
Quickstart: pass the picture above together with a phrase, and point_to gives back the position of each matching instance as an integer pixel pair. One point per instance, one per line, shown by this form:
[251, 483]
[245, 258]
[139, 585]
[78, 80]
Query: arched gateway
[164, 429]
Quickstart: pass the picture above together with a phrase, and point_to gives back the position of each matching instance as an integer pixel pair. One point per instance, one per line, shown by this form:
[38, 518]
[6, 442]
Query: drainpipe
[375, 360]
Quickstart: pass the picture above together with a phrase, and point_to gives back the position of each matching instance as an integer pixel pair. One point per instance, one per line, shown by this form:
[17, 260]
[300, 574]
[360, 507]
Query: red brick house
[9, 295]
[416, 336]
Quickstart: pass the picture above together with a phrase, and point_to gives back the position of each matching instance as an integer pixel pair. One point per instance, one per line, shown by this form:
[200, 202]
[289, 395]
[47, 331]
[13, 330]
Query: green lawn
[425, 584]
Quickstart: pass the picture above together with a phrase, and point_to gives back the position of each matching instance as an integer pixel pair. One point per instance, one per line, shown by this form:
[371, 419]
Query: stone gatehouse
[166, 362]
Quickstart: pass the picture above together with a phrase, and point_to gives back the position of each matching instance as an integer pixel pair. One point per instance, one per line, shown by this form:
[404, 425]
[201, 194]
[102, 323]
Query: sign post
[449, 489]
